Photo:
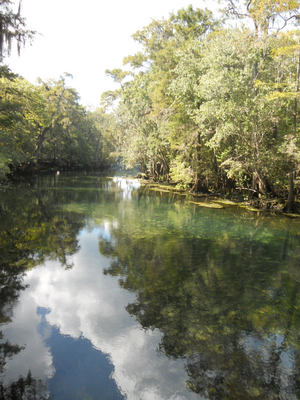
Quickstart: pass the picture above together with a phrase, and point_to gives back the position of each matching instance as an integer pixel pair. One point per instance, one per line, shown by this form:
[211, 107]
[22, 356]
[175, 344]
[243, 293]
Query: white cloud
[23, 331]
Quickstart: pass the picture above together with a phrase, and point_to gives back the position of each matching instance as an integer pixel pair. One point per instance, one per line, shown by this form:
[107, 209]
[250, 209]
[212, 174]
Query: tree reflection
[33, 230]
[28, 388]
[228, 305]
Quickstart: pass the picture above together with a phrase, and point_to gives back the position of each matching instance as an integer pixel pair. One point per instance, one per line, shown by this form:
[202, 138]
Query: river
[110, 290]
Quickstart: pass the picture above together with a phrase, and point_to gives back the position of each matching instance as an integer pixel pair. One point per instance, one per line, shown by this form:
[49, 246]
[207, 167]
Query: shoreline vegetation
[237, 198]
[211, 108]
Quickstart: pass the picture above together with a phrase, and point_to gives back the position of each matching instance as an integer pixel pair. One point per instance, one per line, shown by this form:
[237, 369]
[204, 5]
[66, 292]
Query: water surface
[111, 291]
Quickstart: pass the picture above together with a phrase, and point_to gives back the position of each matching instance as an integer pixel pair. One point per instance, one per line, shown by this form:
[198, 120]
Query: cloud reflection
[85, 303]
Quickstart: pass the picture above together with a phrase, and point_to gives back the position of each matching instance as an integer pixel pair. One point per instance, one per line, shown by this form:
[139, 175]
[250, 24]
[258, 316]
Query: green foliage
[22, 110]
[213, 107]
[192, 24]
[145, 113]
[101, 137]
[45, 123]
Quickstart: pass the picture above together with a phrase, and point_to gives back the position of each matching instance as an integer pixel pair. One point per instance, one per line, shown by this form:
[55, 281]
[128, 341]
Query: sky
[84, 38]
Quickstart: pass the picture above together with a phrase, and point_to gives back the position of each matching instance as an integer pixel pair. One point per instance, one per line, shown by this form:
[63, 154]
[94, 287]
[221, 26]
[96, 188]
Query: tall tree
[22, 112]
[237, 122]
[146, 96]
[12, 28]
[286, 91]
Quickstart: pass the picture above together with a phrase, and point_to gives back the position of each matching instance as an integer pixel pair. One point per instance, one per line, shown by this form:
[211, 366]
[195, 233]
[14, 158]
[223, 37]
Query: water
[112, 291]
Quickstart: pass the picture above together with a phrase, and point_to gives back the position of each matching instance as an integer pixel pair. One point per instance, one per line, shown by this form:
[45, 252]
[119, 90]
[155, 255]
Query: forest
[207, 104]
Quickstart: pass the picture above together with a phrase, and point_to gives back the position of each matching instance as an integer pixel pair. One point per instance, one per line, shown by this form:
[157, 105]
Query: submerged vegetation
[203, 105]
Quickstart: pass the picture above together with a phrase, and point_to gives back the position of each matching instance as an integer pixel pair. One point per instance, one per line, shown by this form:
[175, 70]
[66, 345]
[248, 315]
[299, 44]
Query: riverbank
[237, 198]
[242, 198]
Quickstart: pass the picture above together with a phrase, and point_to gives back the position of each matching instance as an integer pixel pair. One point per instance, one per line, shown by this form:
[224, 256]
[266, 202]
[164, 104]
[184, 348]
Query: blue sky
[84, 38]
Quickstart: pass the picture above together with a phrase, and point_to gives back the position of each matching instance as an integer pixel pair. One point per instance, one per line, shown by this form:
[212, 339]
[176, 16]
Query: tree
[146, 95]
[216, 87]
[265, 14]
[63, 138]
[22, 112]
[12, 28]
[101, 136]
[287, 91]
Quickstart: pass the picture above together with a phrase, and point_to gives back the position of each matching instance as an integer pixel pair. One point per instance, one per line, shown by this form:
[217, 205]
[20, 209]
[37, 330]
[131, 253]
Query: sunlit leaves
[265, 14]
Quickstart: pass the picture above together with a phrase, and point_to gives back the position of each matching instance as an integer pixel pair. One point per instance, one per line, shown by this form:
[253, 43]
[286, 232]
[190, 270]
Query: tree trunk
[259, 184]
[198, 187]
[40, 142]
[143, 167]
[290, 206]
[255, 77]
[97, 151]
[297, 90]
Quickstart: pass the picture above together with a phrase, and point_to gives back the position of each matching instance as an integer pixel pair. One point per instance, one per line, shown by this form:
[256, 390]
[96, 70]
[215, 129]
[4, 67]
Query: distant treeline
[44, 126]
